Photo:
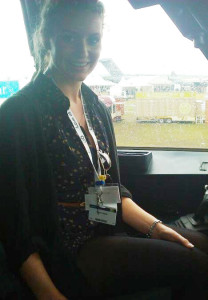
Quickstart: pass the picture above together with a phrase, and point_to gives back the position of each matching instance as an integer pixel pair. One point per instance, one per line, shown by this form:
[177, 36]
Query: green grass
[130, 133]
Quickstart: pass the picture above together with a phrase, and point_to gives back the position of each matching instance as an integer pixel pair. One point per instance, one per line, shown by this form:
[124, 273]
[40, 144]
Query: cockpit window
[152, 79]
[157, 78]
[16, 63]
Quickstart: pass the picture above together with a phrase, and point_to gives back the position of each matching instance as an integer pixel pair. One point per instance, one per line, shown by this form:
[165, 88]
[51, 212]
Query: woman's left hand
[138, 218]
[163, 232]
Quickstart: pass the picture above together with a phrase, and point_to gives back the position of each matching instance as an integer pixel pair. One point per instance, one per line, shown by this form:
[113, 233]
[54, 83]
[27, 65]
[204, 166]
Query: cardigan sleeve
[14, 218]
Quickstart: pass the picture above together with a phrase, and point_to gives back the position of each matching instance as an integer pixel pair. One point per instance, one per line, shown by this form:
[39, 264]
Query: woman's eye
[68, 38]
[93, 40]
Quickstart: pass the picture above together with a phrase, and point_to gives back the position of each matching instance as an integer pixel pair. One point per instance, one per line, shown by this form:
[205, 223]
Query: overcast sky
[15, 59]
[141, 41]
[147, 41]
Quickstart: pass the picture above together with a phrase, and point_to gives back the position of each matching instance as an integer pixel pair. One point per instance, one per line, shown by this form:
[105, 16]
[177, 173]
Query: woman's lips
[79, 64]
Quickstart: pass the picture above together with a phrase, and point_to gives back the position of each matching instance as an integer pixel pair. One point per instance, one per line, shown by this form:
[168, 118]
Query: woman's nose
[82, 49]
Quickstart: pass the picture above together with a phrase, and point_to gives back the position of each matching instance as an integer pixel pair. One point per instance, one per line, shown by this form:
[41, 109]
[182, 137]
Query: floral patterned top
[72, 169]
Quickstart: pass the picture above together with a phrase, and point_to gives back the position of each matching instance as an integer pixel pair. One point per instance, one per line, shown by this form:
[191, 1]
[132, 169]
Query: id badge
[103, 214]
[103, 207]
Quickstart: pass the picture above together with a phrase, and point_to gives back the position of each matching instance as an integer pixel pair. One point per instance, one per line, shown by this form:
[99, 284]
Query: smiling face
[76, 45]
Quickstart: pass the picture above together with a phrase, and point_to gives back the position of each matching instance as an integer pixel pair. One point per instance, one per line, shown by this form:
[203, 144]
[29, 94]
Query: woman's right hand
[36, 276]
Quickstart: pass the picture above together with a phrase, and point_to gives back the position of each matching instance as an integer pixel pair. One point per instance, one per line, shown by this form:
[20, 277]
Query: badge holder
[102, 202]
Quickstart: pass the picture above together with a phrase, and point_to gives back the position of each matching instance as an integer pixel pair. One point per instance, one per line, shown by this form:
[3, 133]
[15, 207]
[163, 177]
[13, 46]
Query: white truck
[164, 110]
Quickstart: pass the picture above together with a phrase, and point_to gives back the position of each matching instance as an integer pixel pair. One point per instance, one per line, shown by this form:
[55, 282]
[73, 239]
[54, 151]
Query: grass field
[130, 133]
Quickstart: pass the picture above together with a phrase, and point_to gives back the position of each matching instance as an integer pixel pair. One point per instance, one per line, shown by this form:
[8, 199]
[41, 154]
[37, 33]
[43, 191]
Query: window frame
[190, 19]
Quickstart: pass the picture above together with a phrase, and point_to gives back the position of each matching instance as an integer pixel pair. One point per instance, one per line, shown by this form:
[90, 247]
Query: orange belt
[72, 204]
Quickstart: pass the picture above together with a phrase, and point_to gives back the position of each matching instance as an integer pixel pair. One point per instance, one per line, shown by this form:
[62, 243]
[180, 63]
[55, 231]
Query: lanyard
[83, 138]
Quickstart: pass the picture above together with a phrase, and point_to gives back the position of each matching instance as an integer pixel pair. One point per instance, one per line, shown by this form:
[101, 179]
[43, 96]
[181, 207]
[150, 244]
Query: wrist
[153, 229]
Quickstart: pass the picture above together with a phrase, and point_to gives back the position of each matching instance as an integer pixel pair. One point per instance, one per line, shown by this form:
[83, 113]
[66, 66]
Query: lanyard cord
[83, 138]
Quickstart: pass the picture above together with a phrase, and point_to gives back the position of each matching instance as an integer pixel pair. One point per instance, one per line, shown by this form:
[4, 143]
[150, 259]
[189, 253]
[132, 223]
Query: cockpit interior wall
[189, 16]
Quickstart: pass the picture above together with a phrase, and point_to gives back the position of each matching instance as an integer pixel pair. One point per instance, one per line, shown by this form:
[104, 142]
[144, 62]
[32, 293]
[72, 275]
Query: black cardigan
[28, 217]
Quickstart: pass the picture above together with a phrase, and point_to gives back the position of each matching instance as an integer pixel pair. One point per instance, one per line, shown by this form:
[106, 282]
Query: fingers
[186, 243]
[180, 239]
[172, 235]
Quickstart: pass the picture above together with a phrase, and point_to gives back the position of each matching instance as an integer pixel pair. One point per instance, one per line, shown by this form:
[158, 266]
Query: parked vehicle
[115, 107]
[168, 110]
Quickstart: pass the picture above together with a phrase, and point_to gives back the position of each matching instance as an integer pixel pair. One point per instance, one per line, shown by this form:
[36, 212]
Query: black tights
[119, 265]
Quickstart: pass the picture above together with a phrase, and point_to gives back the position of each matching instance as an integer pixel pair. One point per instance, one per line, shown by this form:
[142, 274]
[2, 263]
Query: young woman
[60, 221]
